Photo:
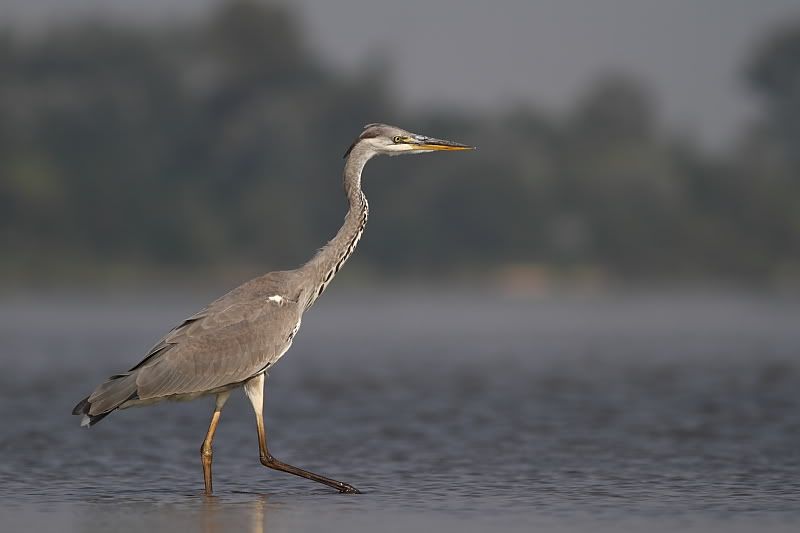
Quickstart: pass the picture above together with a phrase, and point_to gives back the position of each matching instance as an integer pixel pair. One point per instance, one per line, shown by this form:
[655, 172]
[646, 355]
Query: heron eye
[397, 139]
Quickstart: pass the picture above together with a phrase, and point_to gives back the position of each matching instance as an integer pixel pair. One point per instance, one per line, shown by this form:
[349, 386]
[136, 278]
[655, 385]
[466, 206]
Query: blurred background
[619, 140]
[591, 323]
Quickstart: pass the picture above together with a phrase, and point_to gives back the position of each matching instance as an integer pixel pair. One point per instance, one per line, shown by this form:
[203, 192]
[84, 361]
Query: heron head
[391, 140]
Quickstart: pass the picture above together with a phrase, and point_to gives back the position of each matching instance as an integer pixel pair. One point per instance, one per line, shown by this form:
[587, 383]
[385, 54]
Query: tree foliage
[219, 143]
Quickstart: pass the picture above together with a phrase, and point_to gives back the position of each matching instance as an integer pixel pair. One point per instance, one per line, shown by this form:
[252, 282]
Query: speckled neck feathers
[321, 269]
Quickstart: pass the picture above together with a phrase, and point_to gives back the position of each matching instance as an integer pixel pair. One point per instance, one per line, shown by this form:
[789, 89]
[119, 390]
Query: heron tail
[106, 398]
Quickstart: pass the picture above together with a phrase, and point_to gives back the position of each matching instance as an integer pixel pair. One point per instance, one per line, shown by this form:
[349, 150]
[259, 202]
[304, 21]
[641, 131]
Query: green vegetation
[218, 145]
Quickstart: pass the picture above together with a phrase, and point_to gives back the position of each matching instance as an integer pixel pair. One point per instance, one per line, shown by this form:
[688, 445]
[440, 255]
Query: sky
[488, 55]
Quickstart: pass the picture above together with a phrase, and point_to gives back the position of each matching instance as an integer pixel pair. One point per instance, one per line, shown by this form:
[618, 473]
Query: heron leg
[206, 454]
[254, 389]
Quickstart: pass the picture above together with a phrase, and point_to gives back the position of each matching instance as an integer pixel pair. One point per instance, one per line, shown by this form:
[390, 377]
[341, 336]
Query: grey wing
[230, 341]
[222, 345]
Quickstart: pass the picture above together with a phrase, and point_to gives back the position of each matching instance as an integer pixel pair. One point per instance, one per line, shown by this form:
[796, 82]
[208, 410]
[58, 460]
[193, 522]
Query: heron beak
[438, 144]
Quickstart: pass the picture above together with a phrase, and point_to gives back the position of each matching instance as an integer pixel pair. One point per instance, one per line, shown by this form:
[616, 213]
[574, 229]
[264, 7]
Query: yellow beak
[439, 144]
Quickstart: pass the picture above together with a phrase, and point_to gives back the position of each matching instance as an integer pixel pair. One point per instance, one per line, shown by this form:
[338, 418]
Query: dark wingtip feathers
[83, 409]
[106, 398]
[91, 420]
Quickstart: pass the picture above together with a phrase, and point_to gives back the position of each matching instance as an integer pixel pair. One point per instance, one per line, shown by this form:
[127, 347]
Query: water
[450, 411]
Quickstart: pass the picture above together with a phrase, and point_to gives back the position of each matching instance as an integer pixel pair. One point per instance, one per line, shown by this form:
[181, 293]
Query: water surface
[450, 411]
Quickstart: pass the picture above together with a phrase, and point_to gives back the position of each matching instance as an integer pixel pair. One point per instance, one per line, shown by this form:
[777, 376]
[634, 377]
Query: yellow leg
[206, 454]
[255, 392]
[270, 462]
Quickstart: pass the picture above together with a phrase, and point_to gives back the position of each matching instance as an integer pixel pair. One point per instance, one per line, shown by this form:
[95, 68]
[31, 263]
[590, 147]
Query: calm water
[451, 412]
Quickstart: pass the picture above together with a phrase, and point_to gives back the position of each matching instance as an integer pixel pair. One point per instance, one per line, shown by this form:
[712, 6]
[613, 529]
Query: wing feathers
[111, 394]
[226, 343]
[218, 351]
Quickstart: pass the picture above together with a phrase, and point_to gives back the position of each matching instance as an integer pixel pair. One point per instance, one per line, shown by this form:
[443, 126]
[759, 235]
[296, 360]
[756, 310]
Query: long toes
[346, 488]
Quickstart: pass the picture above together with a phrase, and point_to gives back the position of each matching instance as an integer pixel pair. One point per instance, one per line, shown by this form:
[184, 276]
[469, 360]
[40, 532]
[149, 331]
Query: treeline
[218, 145]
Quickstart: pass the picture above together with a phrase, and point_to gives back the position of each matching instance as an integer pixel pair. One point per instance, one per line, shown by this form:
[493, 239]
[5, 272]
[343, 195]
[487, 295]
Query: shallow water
[450, 411]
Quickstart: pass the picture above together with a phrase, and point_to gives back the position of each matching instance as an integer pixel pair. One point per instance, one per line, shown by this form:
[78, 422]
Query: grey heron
[237, 338]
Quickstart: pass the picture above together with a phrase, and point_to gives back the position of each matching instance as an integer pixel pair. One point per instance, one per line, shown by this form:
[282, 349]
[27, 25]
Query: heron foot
[346, 488]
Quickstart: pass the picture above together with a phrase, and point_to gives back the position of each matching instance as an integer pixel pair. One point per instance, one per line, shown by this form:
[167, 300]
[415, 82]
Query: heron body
[238, 337]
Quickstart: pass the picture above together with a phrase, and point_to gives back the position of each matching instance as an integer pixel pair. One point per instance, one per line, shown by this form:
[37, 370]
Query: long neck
[321, 269]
